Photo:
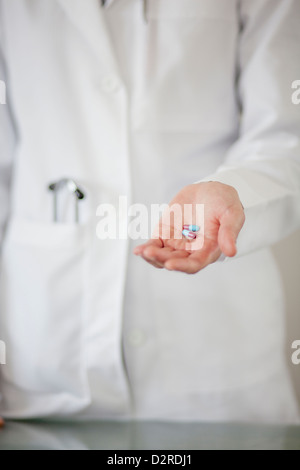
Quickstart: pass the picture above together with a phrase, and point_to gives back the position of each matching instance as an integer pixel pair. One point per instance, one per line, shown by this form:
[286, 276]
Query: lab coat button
[110, 84]
[136, 338]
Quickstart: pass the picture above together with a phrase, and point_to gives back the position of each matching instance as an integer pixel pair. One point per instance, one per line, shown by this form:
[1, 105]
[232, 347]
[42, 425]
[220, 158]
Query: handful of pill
[190, 231]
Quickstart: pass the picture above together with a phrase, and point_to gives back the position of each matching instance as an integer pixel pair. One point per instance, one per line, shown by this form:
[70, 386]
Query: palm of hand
[221, 224]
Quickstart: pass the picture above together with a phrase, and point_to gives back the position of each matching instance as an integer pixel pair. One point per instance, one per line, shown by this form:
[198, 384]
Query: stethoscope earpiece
[79, 194]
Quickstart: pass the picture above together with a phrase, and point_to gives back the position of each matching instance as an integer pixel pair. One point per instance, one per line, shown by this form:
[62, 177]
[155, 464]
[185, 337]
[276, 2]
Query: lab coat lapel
[88, 18]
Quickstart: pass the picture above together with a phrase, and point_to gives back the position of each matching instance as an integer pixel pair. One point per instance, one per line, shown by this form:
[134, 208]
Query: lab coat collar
[88, 18]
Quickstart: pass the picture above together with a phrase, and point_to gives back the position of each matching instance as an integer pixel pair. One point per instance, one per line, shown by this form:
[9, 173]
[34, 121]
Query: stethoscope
[72, 188]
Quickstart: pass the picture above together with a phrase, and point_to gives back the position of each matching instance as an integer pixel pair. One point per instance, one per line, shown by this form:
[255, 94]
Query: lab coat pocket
[42, 284]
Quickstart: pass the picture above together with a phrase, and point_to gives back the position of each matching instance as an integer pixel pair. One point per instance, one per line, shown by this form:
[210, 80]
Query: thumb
[231, 224]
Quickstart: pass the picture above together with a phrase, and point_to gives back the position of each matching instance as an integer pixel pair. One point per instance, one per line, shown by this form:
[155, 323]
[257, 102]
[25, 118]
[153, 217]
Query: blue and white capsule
[188, 234]
[191, 228]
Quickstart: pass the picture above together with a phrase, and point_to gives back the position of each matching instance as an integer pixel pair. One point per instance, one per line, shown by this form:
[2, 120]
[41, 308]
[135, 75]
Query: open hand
[223, 220]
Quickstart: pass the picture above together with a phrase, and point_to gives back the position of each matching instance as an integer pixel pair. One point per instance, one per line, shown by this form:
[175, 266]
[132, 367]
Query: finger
[186, 265]
[196, 261]
[148, 256]
[231, 224]
[189, 265]
[162, 255]
[156, 242]
[153, 263]
[182, 244]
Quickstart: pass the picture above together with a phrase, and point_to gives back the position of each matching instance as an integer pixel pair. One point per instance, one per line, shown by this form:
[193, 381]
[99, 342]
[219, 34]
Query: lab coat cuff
[235, 178]
[271, 205]
[259, 196]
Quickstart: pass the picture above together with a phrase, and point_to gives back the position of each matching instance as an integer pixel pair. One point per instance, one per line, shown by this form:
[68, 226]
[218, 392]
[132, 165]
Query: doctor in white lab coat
[142, 99]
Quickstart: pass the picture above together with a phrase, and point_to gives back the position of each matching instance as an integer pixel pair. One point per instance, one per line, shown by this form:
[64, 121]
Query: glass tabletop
[146, 436]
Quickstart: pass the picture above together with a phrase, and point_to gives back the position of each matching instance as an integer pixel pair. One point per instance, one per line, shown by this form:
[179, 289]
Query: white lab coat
[141, 108]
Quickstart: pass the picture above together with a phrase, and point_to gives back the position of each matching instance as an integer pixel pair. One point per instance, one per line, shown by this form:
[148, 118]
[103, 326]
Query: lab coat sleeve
[7, 138]
[264, 164]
